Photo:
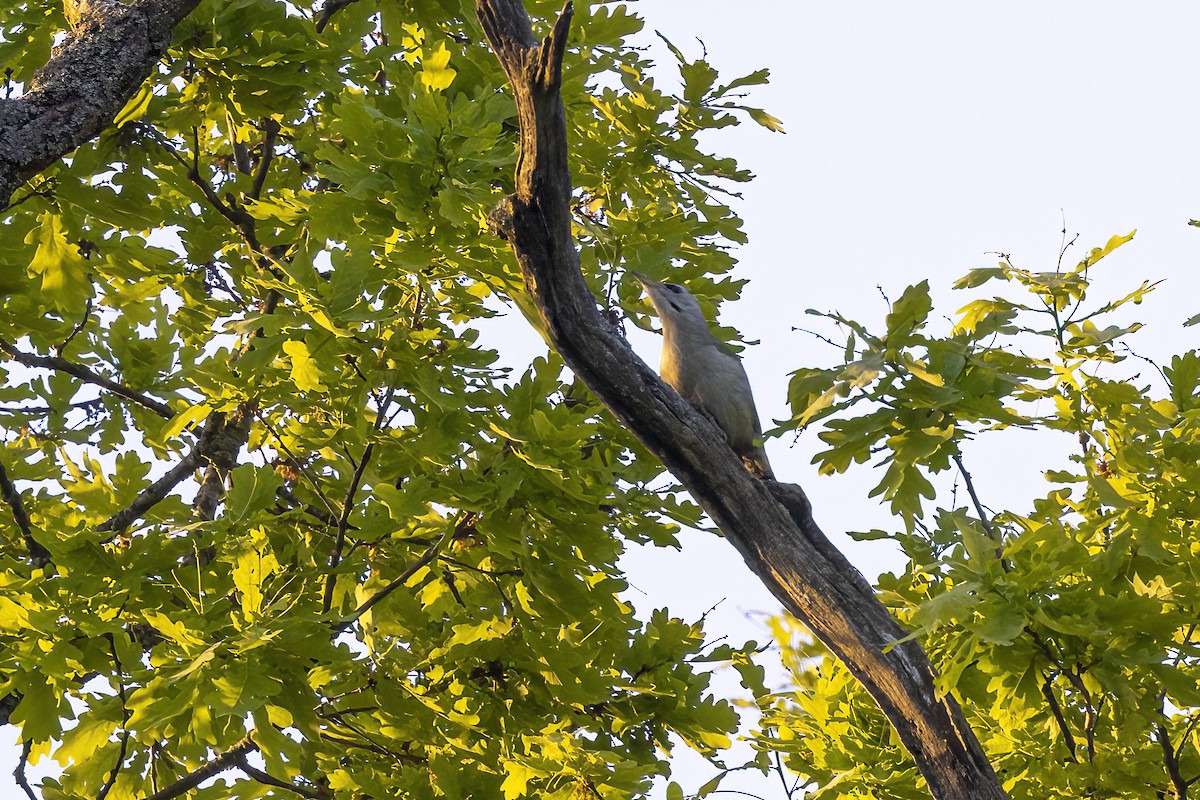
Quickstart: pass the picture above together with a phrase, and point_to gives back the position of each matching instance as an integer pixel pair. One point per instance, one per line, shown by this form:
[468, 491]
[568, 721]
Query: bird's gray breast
[715, 382]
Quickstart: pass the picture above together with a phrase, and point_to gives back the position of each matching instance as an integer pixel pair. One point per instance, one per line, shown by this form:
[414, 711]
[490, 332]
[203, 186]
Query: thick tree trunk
[769, 523]
[111, 48]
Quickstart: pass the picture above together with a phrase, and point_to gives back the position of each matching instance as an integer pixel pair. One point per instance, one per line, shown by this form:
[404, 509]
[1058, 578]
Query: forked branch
[769, 523]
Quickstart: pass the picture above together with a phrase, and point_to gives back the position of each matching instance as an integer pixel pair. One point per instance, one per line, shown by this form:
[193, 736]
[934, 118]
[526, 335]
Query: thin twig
[398, 581]
[320, 514]
[782, 777]
[491, 573]
[448, 579]
[984, 519]
[91, 406]
[1064, 246]
[401, 758]
[819, 336]
[87, 376]
[79, 326]
[1187, 732]
[116, 770]
[1057, 712]
[264, 160]
[335, 558]
[42, 192]
[1149, 361]
[236, 215]
[299, 465]
[19, 772]
[269, 780]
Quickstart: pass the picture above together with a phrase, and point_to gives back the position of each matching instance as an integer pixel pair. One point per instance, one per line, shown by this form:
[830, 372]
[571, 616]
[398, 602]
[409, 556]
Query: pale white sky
[920, 136]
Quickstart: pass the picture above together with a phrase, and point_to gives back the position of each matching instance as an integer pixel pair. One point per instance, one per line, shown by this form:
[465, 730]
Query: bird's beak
[651, 288]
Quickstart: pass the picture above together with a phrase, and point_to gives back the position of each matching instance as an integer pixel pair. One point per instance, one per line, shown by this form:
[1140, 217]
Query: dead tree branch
[769, 523]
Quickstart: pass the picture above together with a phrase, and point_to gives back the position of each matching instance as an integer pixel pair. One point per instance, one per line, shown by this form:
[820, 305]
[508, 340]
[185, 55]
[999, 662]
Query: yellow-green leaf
[183, 419]
[249, 570]
[766, 120]
[136, 107]
[517, 780]
[63, 270]
[305, 374]
[435, 74]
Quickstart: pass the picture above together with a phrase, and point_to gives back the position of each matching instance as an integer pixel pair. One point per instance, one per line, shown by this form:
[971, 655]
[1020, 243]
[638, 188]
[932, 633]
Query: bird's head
[675, 305]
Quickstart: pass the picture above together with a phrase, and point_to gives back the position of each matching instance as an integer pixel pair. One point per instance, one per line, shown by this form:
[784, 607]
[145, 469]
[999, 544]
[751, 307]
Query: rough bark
[769, 523]
[109, 51]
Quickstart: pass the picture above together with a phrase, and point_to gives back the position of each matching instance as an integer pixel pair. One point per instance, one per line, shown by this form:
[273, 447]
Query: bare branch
[225, 440]
[19, 772]
[218, 445]
[116, 770]
[402, 578]
[343, 523]
[87, 376]
[271, 130]
[1059, 718]
[79, 326]
[326, 516]
[330, 8]
[269, 780]
[984, 519]
[1179, 786]
[153, 494]
[226, 760]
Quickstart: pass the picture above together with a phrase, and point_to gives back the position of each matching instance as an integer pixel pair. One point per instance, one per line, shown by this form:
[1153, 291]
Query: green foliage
[1067, 630]
[400, 576]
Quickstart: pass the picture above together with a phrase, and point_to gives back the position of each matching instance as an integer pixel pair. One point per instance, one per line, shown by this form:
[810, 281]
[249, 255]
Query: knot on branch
[500, 219]
[792, 498]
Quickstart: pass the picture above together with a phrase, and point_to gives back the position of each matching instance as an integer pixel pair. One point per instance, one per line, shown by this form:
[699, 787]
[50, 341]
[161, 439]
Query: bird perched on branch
[706, 372]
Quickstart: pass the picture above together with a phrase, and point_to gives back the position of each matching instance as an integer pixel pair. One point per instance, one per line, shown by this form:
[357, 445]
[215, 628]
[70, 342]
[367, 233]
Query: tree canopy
[279, 521]
[1066, 628]
[395, 572]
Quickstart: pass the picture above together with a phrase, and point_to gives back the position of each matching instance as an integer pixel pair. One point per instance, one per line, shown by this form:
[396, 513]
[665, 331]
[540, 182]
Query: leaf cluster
[254, 414]
[1067, 630]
